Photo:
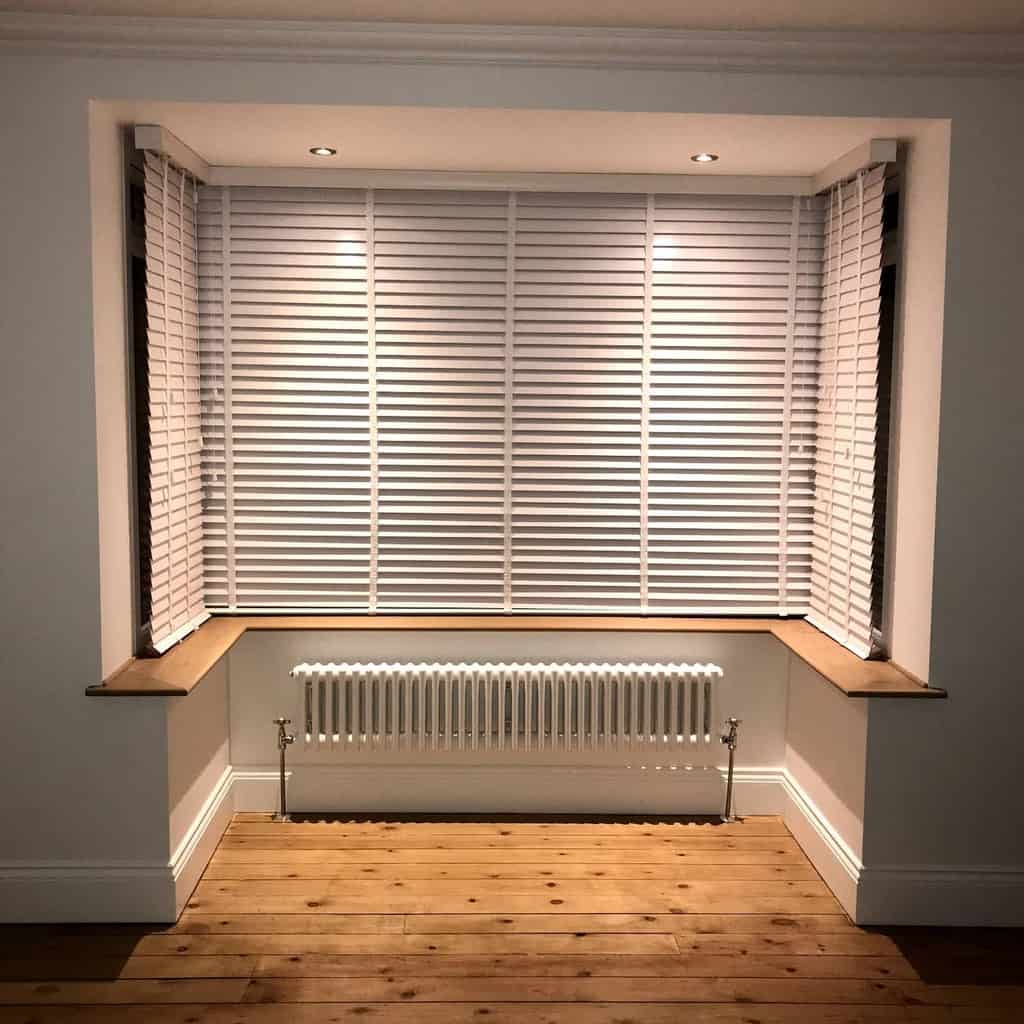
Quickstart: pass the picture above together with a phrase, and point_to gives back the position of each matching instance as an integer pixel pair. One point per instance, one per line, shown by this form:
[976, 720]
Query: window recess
[388, 400]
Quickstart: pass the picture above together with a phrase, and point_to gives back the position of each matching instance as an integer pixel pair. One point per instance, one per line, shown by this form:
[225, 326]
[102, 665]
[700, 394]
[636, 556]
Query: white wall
[107, 189]
[826, 739]
[916, 388]
[89, 763]
[197, 749]
[199, 783]
[754, 689]
[826, 747]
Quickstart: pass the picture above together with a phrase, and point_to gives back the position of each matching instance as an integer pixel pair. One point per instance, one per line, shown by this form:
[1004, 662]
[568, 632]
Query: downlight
[323, 151]
[704, 158]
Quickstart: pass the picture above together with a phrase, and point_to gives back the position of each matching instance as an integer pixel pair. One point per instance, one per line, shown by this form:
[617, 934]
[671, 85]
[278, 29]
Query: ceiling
[791, 15]
[480, 139]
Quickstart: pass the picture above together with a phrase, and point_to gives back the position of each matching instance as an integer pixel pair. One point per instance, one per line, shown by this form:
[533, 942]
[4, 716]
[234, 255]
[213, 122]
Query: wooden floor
[424, 922]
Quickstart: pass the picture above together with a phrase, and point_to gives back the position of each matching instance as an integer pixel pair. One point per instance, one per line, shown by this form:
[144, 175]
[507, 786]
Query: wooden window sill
[178, 671]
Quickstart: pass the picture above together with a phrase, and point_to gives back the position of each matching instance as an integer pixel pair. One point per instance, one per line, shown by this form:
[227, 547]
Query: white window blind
[734, 324]
[175, 434]
[286, 398]
[440, 294]
[842, 594]
[508, 401]
[577, 398]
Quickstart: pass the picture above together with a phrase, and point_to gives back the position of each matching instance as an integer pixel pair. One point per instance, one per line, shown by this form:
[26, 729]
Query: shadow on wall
[826, 751]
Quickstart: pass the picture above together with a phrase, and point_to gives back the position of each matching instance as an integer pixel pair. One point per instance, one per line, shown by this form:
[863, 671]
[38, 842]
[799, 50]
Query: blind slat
[176, 545]
[494, 401]
[842, 563]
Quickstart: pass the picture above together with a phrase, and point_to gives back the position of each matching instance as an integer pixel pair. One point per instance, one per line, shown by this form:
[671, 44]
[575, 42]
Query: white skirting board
[153, 892]
[902, 895]
[826, 849]
[148, 892]
[195, 850]
[950, 895]
[145, 892]
[51, 892]
[508, 790]
[916, 894]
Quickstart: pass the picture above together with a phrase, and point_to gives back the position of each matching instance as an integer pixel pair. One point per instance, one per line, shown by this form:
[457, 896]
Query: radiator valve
[284, 738]
[731, 733]
[729, 738]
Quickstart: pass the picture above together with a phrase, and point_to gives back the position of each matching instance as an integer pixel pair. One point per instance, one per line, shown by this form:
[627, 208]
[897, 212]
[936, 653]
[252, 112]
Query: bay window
[377, 400]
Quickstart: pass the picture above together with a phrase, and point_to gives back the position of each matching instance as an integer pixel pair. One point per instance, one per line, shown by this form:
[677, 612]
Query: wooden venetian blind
[494, 401]
[843, 599]
[286, 398]
[175, 436]
[736, 296]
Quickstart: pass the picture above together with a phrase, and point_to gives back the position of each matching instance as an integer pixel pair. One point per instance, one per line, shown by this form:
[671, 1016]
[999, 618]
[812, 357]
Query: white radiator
[664, 713]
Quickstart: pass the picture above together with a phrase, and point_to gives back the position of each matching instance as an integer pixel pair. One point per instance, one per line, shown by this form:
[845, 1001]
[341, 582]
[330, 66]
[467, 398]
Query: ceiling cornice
[654, 49]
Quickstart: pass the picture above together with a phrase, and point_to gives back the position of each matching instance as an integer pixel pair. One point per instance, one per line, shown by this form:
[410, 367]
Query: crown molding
[903, 53]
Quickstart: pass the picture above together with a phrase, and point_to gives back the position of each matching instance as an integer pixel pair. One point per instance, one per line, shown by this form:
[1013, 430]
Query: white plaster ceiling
[480, 139]
[793, 15]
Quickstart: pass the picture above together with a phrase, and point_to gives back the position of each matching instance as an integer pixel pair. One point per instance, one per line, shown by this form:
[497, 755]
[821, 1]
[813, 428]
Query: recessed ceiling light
[704, 158]
[323, 151]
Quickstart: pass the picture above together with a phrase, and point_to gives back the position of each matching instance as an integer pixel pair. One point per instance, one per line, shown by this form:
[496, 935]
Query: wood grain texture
[501, 1013]
[554, 844]
[408, 948]
[854, 676]
[297, 944]
[352, 855]
[178, 671]
[812, 992]
[387, 874]
[576, 965]
[263, 824]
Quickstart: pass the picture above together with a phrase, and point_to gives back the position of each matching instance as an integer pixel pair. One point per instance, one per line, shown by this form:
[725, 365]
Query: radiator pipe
[283, 740]
[729, 738]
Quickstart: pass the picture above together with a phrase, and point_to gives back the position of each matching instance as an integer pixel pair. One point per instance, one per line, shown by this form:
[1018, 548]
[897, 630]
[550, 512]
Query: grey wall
[83, 780]
[941, 777]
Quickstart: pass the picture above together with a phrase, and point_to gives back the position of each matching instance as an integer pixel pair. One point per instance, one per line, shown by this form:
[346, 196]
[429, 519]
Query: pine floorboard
[431, 921]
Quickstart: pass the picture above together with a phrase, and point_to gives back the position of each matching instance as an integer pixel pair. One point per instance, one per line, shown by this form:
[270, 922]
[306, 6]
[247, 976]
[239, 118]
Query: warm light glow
[704, 158]
[323, 151]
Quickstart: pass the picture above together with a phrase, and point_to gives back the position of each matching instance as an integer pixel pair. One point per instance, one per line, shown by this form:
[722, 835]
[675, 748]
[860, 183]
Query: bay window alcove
[397, 416]
[499, 400]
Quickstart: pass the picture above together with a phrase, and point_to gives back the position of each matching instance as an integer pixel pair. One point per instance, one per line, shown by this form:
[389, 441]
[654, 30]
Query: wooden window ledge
[178, 671]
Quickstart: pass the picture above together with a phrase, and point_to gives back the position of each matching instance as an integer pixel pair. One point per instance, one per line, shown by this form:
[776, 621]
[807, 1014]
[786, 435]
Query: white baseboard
[155, 892]
[149, 892]
[40, 893]
[189, 860]
[947, 895]
[256, 789]
[838, 865]
[508, 790]
[903, 894]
